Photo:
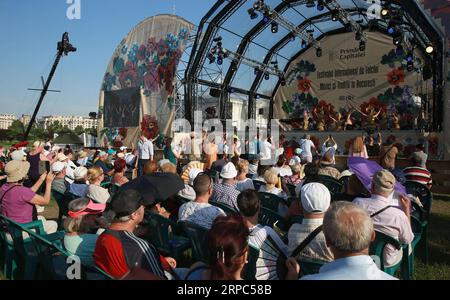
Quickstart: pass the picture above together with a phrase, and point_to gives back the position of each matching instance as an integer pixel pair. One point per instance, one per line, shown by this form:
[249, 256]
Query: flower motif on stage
[183, 34]
[141, 52]
[288, 107]
[151, 79]
[118, 65]
[124, 49]
[162, 47]
[152, 46]
[129, 76]
[132, 53]
[172, 42]
[396, 76]
[109, 81]
[304, 85]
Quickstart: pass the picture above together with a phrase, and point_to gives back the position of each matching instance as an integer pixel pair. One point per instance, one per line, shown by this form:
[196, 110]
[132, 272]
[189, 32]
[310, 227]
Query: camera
[65, 46]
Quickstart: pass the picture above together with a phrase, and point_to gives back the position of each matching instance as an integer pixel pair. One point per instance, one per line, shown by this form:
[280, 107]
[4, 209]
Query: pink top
[16, 204]
[392, 222]
[359, 154]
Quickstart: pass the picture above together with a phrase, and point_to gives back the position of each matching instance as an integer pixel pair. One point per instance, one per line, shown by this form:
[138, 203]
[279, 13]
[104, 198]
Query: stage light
[303, 44]
[217, 39]
[397, 39]
[335, 15]
[274, 27]
[320, 5]
[258, 4]
[358, 35]
[253, 15]
[373, 25]
[266, 76]
[211, 58]
[256, 71]
[319, 52]
[399, 50]
[429, 49]
[409, 57]
[219, 60]
[225, 53]
[384, 12]
[292, 38]
[310, 3]
[266, 19]
[283, 81]
[391, 27]
[362, 46]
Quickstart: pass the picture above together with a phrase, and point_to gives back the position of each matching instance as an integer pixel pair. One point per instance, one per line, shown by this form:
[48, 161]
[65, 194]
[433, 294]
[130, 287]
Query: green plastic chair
[163, 237]
[377, 248]
[63, 201]
[225, 207]
[106, 184]
[25, 257]
[266, 263]
[272, 219]
[198, 236]
[333, 185]
[271, 201]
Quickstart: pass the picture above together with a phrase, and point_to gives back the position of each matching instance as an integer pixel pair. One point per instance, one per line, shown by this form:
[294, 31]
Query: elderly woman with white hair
[84, 216]
[271, 179]
[297, 175]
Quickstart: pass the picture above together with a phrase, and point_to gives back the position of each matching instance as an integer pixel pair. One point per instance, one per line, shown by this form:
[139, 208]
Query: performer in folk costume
[337, 121]
[320, 116]
[371, 116]
[305, 120]
[396, 120]
[348, 125]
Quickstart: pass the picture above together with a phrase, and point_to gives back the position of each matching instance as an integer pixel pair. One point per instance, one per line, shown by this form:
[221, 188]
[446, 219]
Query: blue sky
[30, 29]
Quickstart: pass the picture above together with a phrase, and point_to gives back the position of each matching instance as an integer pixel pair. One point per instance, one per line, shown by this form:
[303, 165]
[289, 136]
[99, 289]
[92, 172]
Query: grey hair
[77, 224]
[347, 227]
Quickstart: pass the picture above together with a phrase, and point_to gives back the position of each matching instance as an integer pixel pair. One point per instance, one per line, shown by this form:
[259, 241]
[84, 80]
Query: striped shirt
[418, 174]
[117, 252]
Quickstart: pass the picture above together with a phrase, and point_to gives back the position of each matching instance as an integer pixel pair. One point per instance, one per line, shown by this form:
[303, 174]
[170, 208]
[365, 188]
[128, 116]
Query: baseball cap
[80, 173]
[228, 171]
[315, 197]
[98, 194]
[58, 167]
[18, 155]
[126, 202]
[384, 180]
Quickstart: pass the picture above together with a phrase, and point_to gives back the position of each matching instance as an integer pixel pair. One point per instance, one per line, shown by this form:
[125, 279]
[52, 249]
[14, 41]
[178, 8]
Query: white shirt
[145, 149]
[306, 146]
[266, 151]
[331, 150]
[202, 214]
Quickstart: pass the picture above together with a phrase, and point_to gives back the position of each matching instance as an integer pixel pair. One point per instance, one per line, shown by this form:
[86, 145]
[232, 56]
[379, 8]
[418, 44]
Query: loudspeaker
[214, 92]
[427, 73]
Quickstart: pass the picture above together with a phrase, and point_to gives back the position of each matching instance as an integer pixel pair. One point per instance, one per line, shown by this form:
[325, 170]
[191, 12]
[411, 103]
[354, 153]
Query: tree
[16, 130]
[92, 131]
[79, 130]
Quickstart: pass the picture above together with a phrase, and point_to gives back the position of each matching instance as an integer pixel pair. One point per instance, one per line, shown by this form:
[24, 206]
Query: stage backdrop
[142, 74]
[344, 76]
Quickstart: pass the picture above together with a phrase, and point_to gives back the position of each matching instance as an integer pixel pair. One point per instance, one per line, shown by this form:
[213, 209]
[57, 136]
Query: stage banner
[143, 65]
[345, 77]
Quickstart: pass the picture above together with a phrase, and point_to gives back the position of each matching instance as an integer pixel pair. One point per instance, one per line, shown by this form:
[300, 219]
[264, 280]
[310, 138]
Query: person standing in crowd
[358, 149]
[34, 157]
[145, 152]
[373, 149]
[211, 150]
[348, 231]
[267, 150]
[329, 147]
[392, 221]
[419, 153]
[242, 182]
[388, 155]
[295, 159]
[307, 147]
[200, 211]
[84, 215]
[169, 153]
[296, 178]
[18, 202]
[226, 191]
[315, 200]
[219, 163]
[418, 171]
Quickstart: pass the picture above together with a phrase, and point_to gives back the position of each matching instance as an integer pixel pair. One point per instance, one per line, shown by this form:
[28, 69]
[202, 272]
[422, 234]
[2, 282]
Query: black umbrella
[156, 187]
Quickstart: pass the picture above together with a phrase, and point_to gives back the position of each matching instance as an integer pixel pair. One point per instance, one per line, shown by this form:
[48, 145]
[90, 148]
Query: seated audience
[392, 221]
[296, 177]
[228, 244]
[120, 167]
[418, 172]
[253, 168]
[95, 191]
[388, 154]
[226, 191]
[242, 182]
[79, 187]
[101, 162]
[421, 154]
[82, 158]
[118, 249]
[219, 163]
[315, 200]
[326, 167]
[59, 184]
[295, 159]
[358, 149]
[84, 216]
[200, 211]
[271, 179]
[169, 168]
[17, 202]
[348, 232]
[150, 167]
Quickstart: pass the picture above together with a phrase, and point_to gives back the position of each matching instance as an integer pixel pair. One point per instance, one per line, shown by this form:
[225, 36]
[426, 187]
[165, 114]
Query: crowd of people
[104, 223]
